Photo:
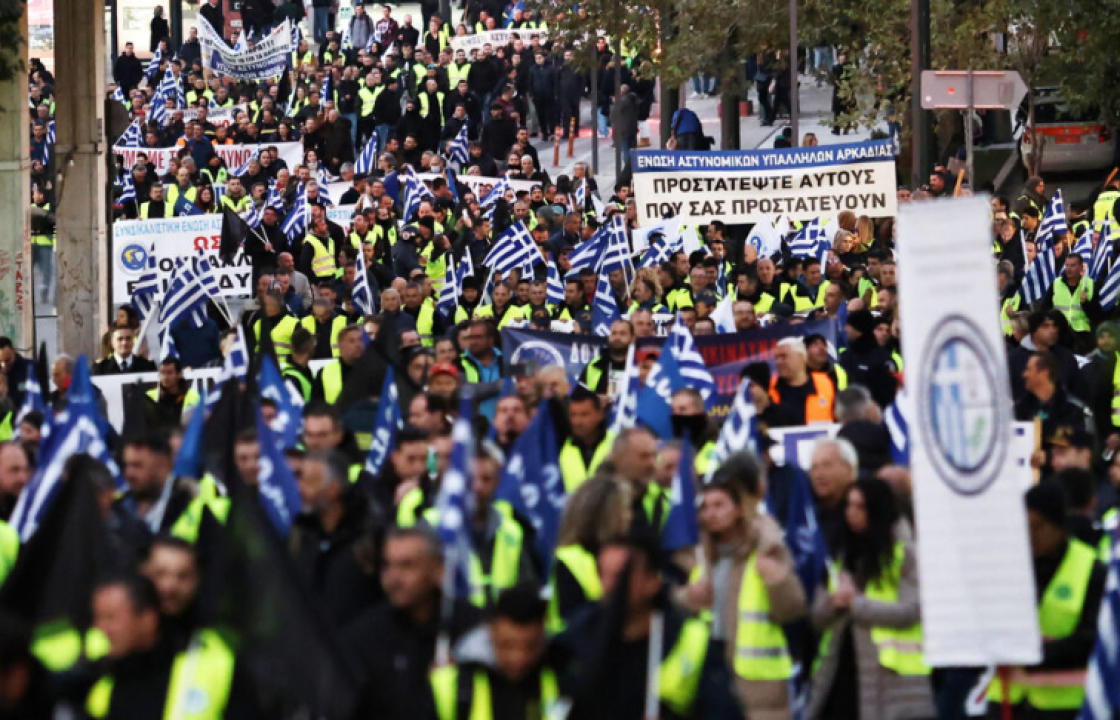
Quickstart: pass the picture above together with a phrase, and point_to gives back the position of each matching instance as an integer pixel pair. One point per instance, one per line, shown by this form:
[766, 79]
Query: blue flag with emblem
[289, 403]
[624, 410]
[183, 206]
[453, 504]
[1102, 681]
[681, 528]
[389, 421]
[740, 429]
[78, 429]
[278, 492]
[532, 484]
[188, 462]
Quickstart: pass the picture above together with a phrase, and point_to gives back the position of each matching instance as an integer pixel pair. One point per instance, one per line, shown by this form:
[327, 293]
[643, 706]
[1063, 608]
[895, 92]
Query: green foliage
[10, 38]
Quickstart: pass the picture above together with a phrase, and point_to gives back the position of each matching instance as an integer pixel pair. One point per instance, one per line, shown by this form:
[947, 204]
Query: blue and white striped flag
[158, 108]
[1041, 274]
[496, 192]
[295, 224]
[187, 293]
[33, 401]
[389, 421]
[367, 158]
[244, 167]
[169, 88]
[153, 64]
[679, 366]
[661, 250]
[1053, 224]
[132, 137]
[453, 286]
[274, 200]
[459, 150]
[1102, 254]
[147, 290]
[616, 255]
[1084, 247]
[128, 190]
[278, 491]
[580, 199]
[254, 216]
[1109, 290]
[76, 430]
[167, 346]
[894, 418]
[453, 504]
[118, 95]
[554, 286]
[362, 293]
[415, 192]
[589, 253]
[740, 429]
[624, 411]
[235, 366]
[513, 249]
[605, 310]
[52, 132]
[690, 362]
[1102, 682]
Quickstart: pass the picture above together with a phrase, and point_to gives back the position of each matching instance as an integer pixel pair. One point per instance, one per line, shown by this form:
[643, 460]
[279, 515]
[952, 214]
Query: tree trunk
[729, 119]
[668, 100]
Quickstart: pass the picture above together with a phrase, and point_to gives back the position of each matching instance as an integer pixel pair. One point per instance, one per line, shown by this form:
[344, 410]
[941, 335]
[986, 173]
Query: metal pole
[594, 109]
[919, 60]
[968, 131]
[794, 104]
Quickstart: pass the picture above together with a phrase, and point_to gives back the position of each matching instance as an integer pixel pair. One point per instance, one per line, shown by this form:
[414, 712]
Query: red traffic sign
[991, 89]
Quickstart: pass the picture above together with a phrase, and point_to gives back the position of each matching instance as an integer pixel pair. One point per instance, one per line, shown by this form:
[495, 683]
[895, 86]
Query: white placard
[234, 155]
[494, 38]
[977, 583]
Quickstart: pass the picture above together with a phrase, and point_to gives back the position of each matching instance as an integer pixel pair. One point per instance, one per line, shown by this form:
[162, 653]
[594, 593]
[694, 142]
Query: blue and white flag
[532, 484]
[277, 488]
[153, 64]
[295, 224]
[589, 253]
[554, 286]
[766, 237]
[169, 88]
[367, 158]
[497, 191]
[389, 421]
[183, 206]
[186, 294]
[624, 410]
[1041, 274]
[235, 367]
[52, 132]
[740, 429]
[243, 168]
[1102, 682]
[254, 216]
[689, 360]
[679, 366]
[1102, 254]
[146, 291]
[33, 401]
[362, 293]
[452, 288]
[415, 192]
[133, 136]
[289, 403]
[580, 199]
[453, 503]
[128, 190]
[1053, 226]
[661, 250]
[681, 527]
[513, 249]
[1084, 247]
[274, 200]
[452, 185]
[899, 429]
[458, 150]
[605, 310]
[616, 254]
[77, 430]
[810, 241]
[118, 95]
[167, 347]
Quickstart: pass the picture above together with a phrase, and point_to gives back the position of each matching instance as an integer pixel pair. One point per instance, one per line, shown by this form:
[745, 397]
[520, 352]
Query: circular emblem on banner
[963, 421]
[134, 257]
[540, 352]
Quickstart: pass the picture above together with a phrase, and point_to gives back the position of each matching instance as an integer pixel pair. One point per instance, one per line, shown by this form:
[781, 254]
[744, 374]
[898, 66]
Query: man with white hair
[805, 397]
[833, 469]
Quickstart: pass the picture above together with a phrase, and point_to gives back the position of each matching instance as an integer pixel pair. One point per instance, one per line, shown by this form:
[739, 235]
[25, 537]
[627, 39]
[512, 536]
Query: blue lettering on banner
[572, 352]
[661, 161]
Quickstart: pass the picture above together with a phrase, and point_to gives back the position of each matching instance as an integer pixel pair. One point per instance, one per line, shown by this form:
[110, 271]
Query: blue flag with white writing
[532, 484]
[278, 491]
[389, 421]
[681, 527]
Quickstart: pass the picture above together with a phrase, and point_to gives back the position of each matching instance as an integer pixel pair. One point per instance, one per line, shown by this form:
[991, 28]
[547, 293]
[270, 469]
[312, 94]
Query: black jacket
[869, 365]
[109, 366]
[127, 71]
[340, 567]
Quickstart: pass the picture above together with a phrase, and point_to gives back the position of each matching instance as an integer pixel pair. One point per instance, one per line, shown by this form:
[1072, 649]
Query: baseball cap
[445, 368]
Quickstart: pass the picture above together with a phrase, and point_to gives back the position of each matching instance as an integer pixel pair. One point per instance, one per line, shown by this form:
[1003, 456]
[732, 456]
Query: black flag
[234, 230]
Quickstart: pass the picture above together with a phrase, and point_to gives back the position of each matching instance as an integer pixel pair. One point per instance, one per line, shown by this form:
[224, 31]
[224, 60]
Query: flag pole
[653, 665]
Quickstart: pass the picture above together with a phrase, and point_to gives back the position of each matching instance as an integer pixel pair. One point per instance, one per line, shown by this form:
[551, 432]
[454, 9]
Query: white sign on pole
[234, 155]
[977, 584]
[495, 38]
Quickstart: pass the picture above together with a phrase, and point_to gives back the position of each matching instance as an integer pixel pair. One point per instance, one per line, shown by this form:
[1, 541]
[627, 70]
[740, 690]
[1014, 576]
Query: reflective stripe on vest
[585, 569]
[331, 377]
[322, 263]
[1069, 303]
[445, 692]
[760, 644]
[574, 472]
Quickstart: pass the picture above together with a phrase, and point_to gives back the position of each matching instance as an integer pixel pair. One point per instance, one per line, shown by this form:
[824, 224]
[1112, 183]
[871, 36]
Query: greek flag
[581, 196]
[118, 95]
[133, 136]
[454, 504]
[32, 400]
[458, 149]
[1109, 291]
[739, 431]
[52, 133]
[1102, 254]
[809, 241]
[235, 366]
[589, 254]
[295, 224]
[415, 191]
[624, 412]
[146, 291]
[367, 158]
[389, 421]
[616, 256]
[128, 190]
[254, 216]
[679, 366]
[555, 286]
[1102, 683]
[1084, 247]
[660, 251]
[497, 191]
[362, 293]
[689, 360]
[1053, 225]
[453, 285]
[1041, 274]
[153, 64]
[158, 107]
[187, 294]
[289, 403]
[514, 249]
[169, 88]
[605, 310]
[167, 346]
[244, 167]
[278, 491]
[77, 430]
[274, 200]
[895, 420]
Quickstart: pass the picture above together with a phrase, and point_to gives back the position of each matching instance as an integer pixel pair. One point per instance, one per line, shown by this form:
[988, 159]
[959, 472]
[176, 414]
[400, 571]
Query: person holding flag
[751, 571]
[173, 395]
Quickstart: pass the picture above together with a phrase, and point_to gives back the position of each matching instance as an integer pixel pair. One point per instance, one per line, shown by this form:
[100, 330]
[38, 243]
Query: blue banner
[572, 352]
